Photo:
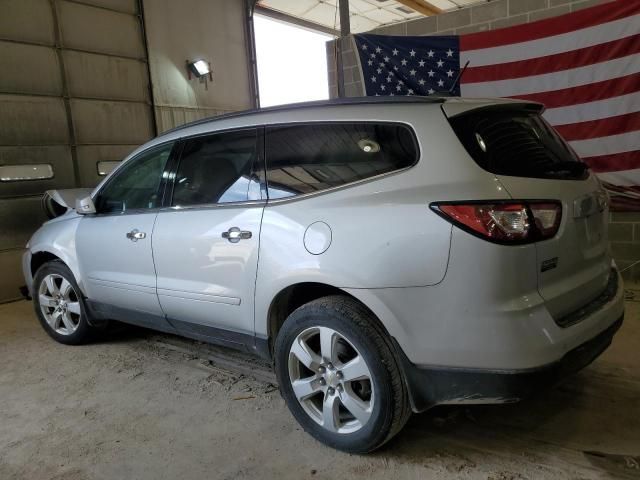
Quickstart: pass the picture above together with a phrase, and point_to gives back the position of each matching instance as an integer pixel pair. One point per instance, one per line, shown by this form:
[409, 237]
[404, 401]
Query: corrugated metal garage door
[74, 91]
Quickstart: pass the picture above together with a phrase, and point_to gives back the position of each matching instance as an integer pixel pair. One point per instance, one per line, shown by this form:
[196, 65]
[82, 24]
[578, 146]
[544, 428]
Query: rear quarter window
[517, 143]
[309, 158]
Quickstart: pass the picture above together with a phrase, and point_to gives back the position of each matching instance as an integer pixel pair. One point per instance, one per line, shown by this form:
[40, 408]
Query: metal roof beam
[300, 22]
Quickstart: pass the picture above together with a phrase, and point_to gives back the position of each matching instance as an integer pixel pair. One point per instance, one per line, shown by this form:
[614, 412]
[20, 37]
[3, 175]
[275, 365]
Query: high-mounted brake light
[513, 222]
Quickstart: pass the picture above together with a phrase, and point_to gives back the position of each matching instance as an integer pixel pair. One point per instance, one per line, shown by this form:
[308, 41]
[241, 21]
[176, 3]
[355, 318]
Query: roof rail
[319, 103]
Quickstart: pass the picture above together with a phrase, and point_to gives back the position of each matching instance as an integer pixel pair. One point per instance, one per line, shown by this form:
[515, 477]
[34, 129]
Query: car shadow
[118, 332]
[575, 426]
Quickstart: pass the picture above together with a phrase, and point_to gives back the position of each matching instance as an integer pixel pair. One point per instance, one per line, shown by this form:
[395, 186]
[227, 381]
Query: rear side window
[517, 143]
[217, 168]
[314, 157]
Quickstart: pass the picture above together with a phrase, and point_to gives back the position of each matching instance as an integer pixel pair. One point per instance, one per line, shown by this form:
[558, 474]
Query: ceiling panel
[362, 24]
[297, 8]
[324, 14]
[365, 14]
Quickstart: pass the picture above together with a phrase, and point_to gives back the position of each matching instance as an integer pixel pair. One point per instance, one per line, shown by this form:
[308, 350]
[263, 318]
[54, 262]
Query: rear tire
[339, 376]
[60, 306]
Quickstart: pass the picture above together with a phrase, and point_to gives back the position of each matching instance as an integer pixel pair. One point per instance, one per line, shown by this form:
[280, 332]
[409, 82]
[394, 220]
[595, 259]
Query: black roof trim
[320, 103]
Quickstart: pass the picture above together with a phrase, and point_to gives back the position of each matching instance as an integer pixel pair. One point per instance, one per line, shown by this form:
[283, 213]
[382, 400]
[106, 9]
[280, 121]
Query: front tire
[59, 304]
[339, 376]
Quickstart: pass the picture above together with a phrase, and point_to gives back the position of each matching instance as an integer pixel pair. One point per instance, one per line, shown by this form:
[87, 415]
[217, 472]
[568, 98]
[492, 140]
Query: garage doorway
[292, 62]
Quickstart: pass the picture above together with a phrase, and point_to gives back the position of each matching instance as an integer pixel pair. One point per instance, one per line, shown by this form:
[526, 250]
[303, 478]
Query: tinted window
[517, 143]
[309, 158]
[217, 169]
[136, 186]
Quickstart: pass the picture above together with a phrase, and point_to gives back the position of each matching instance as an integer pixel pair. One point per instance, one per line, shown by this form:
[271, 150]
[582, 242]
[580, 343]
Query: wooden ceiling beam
[421, 6]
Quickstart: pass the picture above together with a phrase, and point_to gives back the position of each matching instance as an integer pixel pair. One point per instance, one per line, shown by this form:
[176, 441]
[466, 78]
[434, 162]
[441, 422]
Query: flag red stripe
[588, 17]
[586, 93]
[615, 162]
[621, 188]
[600, 128]
[554, 63]
[622, 204]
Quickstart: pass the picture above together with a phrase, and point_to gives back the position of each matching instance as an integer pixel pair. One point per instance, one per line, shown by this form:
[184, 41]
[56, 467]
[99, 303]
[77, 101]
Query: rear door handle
[234, 235]
[135, 235]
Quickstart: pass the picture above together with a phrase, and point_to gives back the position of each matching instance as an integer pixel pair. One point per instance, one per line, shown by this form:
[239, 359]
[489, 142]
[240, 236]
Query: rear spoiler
[58, 202]
[454, 107]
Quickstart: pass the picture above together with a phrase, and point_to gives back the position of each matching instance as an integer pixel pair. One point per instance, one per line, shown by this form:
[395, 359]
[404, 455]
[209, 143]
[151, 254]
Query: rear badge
[549, 264]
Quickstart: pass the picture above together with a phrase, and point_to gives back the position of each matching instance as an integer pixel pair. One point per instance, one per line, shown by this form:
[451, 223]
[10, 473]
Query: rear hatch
[532, 162]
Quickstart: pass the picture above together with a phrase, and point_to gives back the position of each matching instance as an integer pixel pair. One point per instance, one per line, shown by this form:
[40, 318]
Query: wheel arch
[40, 256]
[295, 295]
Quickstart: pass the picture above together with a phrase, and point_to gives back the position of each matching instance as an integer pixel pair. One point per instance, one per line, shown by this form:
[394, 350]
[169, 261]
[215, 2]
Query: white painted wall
[190, 29]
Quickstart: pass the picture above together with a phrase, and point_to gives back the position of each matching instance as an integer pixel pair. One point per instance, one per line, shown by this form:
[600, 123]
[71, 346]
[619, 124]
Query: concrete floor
[130, 408]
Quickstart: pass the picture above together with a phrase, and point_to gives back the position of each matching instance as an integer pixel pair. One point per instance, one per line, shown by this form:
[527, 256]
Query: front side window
[314, 157]
[137, 185]
[217, 169]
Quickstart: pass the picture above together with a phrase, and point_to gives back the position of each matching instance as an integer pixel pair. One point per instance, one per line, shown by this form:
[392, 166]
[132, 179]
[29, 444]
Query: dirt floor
[140, 405]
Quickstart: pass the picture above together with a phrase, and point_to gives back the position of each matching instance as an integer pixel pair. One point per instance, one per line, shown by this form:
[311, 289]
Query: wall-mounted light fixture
[199, 68]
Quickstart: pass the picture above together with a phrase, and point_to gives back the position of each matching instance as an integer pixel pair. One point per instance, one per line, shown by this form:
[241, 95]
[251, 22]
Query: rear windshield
[517, 143]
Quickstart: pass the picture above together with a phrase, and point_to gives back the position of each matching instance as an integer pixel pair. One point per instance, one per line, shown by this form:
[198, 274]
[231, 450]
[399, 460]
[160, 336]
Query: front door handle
[234, 235]
[135, 235]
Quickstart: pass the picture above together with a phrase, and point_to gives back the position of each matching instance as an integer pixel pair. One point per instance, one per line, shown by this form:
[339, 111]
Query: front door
[205, 246]
[114, 245]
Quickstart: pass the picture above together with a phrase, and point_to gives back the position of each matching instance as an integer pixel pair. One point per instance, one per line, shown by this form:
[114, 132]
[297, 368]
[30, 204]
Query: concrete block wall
[490, 15]
[624, 227]
[624, 239]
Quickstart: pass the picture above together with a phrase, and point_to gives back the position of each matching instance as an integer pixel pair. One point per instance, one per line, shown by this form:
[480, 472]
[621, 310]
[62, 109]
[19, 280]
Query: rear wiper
[563, 166]
[570, 164]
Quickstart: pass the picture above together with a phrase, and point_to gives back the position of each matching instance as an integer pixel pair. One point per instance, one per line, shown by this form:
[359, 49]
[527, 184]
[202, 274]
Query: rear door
[532, 162]
[205, 245]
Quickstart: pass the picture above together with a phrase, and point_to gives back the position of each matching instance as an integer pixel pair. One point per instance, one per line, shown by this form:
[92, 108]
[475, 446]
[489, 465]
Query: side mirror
[85, 206]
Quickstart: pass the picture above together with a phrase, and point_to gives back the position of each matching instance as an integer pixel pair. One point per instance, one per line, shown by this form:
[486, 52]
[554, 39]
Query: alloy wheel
[59, 304]
[331, 380]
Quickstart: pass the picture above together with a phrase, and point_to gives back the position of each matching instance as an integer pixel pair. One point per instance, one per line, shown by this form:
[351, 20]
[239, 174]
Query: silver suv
[388, 254]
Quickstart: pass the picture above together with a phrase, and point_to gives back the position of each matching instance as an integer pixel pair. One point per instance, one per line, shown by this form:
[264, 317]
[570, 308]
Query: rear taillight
[513, 222]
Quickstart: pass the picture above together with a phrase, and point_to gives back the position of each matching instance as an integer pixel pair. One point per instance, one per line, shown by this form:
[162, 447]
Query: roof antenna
[457, 80]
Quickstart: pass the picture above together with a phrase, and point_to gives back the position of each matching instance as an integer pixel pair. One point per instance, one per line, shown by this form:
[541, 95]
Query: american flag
[584, 66]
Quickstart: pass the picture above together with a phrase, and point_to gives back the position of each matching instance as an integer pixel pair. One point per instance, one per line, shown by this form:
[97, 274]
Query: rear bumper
[487, 313]
[437, 386]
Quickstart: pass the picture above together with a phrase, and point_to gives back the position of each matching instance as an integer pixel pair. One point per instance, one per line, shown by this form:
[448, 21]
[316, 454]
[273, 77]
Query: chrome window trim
[204, 206]
[209, 206]
[267, 201]
[137, 211]
[290, 123]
